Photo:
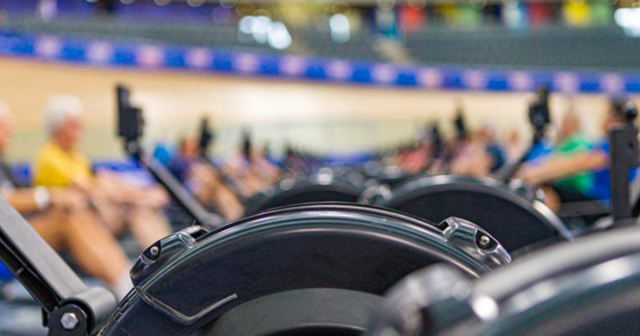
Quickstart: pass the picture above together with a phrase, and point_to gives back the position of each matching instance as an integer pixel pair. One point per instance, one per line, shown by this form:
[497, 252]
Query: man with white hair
[62, 218]
[120, 206]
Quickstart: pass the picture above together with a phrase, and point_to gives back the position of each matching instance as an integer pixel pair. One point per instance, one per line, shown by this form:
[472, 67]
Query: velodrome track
[336, 118]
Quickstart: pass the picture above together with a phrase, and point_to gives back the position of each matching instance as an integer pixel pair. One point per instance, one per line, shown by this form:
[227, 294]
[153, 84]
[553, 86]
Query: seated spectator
[62, 218]
[120, 206]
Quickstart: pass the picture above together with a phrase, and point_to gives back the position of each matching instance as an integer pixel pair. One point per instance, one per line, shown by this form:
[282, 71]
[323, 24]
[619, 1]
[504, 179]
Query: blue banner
[170, 57]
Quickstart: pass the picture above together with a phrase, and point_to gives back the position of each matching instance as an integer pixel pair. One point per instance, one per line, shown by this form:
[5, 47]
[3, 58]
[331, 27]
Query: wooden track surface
[326, 118]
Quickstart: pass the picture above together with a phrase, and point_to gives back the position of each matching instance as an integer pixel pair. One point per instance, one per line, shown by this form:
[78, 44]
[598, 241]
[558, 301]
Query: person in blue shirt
[479, 155]
[185, 157]
[203, 181]
[556, 168]
[496, 152]
[162, 153]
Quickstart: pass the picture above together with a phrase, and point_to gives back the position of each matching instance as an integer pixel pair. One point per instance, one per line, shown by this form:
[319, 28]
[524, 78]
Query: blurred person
[266, 170]
[268, 155]
[186, 154]
[462, 135]
[292, 161]
[514, 146]
[62, 218]
[477, 154]
[438, 152]
[425, 155]
[472, 159]
[120, 206]
[414, 160]
[595, 160]
[571, 141]
[251, 171]
[459, 148]
[162, 151]
[203, 180]
[487, 134]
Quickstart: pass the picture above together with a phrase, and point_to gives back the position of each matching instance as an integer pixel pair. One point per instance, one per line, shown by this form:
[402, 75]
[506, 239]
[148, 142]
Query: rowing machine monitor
[130, 121]
[206, 137]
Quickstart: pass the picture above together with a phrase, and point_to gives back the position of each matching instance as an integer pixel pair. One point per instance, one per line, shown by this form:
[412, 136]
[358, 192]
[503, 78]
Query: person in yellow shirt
[120, 206]
[53, 156]
[62, 218]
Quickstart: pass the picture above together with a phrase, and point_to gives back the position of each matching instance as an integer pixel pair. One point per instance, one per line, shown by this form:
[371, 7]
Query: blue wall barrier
[95, 52]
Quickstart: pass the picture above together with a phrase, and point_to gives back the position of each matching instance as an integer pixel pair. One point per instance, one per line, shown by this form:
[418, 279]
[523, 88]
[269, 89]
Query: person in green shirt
[556, 173]
[571, 141]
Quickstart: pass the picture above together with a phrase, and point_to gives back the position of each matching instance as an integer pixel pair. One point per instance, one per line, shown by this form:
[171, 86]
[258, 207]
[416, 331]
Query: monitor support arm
[624, 156]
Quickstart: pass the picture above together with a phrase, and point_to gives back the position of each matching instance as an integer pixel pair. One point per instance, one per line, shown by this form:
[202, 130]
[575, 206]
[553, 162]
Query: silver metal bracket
[474, 240]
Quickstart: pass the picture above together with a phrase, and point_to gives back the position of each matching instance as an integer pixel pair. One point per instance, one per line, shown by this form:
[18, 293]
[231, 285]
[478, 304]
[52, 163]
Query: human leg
[148, 226]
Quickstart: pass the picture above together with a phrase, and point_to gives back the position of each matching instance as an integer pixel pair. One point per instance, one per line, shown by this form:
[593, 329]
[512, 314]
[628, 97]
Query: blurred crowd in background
[387, 30]
[388, 16]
